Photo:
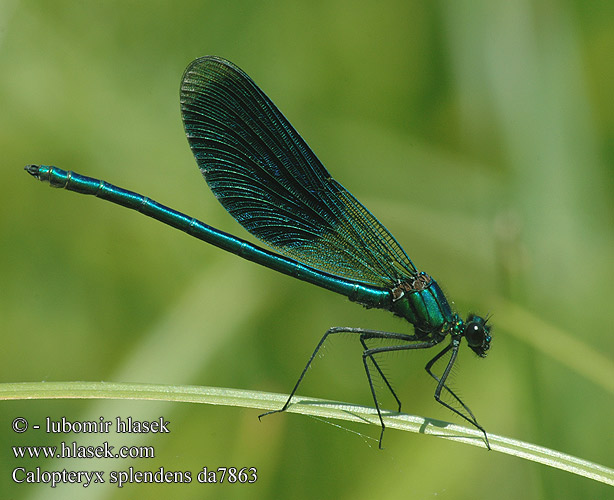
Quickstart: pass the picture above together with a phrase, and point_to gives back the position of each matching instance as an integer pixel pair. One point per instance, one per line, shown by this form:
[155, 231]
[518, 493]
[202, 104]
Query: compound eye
[474, 333]
[477, 335]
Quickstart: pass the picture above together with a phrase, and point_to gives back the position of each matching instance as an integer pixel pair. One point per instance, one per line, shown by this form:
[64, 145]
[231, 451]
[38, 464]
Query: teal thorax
[421, 301]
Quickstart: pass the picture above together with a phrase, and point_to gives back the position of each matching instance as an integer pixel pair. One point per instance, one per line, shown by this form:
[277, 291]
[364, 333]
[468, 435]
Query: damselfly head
[477, 333]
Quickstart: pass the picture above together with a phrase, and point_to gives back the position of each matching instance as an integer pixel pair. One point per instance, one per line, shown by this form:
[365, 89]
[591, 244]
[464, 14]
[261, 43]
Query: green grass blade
[306, 406]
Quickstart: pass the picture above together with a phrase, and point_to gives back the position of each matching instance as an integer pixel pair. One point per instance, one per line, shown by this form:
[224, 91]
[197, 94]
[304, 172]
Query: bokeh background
[480, 133]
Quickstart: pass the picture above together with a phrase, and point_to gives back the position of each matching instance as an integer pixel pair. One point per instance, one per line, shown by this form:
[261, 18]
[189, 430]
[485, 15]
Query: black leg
[442, 385]
[422, 344]
[363, 341]
[364, 335]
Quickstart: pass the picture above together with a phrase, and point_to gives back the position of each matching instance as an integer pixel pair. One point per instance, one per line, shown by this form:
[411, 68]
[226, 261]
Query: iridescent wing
[270, 181]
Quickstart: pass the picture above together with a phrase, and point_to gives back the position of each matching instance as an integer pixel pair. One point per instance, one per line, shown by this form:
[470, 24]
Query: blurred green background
[480, 133]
